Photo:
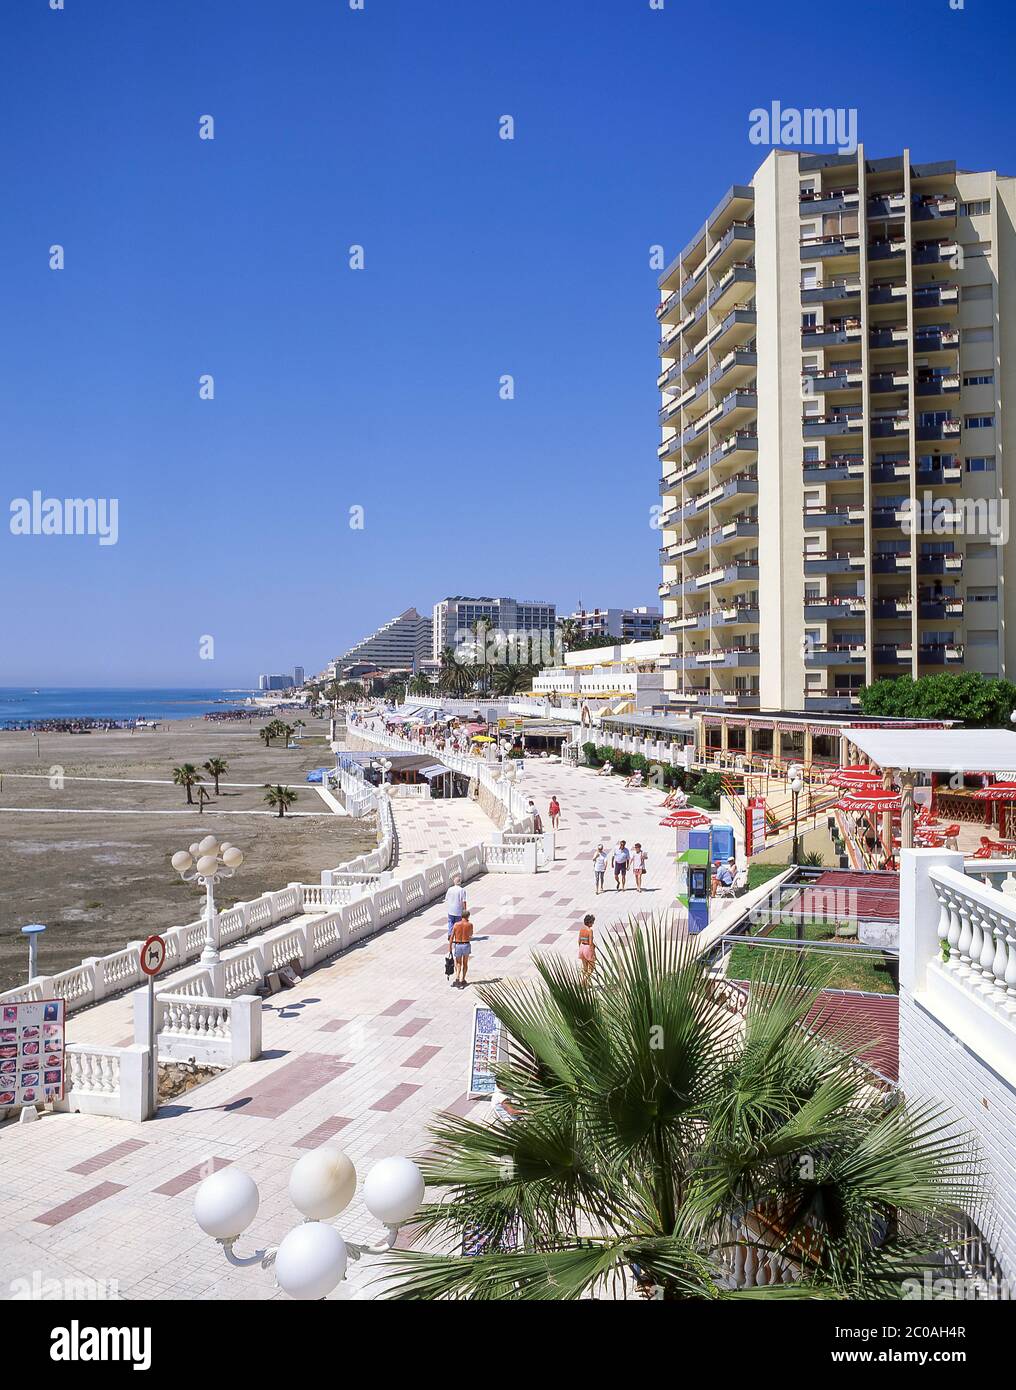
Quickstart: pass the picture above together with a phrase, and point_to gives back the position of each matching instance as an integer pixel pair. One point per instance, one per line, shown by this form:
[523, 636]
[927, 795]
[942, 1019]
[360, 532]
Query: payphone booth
[698, 897]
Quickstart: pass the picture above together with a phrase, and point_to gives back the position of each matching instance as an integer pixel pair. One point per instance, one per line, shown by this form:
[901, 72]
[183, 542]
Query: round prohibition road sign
[153, 955]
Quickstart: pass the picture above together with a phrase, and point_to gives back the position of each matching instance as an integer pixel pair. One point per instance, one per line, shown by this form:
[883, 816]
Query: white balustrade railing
[977, 929]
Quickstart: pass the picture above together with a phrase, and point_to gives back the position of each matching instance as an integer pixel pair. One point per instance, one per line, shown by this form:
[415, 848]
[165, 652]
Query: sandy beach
[89, 822]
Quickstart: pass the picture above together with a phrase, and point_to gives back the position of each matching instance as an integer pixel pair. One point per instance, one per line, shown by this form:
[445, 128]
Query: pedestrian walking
[599, 867]
[455, 902]
[587, 948]
[621, 857]
[554, 811]
[462, 936]
[638, 865]
[537, 818]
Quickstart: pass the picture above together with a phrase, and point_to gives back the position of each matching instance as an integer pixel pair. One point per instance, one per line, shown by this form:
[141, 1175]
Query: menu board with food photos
[31, 1052]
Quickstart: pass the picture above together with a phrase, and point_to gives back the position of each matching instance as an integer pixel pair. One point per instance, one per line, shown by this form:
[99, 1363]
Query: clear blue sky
[379, 388]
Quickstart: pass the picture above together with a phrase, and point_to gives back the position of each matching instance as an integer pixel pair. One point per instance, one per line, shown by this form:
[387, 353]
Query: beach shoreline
[89, 822]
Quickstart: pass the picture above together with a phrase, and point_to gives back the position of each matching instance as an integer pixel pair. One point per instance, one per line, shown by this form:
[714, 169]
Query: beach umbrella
[872, 800]
[686, 820]
[998, 791]
[848, 777]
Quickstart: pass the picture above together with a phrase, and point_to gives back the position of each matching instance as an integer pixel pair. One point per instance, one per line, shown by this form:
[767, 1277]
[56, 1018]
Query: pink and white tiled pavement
[363, 1052]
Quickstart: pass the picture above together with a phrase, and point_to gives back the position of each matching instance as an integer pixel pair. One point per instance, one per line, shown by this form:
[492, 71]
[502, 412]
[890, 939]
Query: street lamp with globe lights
[311, 1260]
[795, 786]
[204, 863]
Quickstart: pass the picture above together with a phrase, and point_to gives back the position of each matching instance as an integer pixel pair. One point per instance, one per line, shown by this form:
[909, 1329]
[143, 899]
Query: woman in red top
[587, 947]
[554, 811]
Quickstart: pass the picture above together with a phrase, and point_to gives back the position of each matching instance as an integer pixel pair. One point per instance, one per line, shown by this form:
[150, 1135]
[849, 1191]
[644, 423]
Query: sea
[20, 703]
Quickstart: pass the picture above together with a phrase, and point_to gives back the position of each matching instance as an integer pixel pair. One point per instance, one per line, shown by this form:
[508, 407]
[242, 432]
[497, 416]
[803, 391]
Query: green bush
[639, 763]
[707, 786]
[592, 755]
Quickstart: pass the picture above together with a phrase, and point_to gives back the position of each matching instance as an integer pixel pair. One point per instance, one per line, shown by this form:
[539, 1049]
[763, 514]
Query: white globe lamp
[393, 1190]
[311, 1261]
[226, 1203]
[322, 1183]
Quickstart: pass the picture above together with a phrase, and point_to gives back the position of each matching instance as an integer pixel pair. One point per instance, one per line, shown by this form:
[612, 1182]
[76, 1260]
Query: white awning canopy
[938, 750]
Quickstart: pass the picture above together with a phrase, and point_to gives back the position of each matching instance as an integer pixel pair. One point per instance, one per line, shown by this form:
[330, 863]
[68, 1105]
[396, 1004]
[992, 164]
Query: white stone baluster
[966, 935]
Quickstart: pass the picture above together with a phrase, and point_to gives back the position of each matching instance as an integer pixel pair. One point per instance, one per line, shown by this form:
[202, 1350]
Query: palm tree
[280, 798]
[653, 1129]
[186, 775]
[215, 767]
[567, 631]
[509, 680]
[455, 677]
[420, 685]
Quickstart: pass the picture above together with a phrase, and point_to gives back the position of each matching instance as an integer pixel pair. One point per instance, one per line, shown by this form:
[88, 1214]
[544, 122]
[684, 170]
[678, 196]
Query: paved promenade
[364, 1051]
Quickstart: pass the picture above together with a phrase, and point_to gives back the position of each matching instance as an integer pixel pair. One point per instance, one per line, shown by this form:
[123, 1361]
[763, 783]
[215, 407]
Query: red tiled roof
[870, 1021]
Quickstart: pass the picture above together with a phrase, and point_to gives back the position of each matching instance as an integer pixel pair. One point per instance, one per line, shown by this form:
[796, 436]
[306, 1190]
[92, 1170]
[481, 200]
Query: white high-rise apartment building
[838, 379]
[457, 614]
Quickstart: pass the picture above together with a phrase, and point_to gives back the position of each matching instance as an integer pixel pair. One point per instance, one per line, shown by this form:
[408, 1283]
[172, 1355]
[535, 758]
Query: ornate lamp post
[312, 1259]
[204, 863]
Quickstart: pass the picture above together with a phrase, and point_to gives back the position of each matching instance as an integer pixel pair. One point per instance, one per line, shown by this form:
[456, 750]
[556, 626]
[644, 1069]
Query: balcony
[832, 425]
[937, 608]
[888, 608]
[888, 292]
[819, 515]
[719, 659]
[736, 615]
[737, 243]
[890, 562]
[887, 248]
[886, 205]
[940, 252]
[816, 201]
[892, 654]
[887, 380]
[890, 424]
[934, 207]
[950, 562]
[833, 609]
[834, 654]
[827, 703]
[833, 290]
[833, 562]
[725, 575]
[834, 333]
[844, 376]
[935, 337]
[840, 245]
[733, 288]
[837, 469]
[937, 383]
[948, 428]
[888, 335]
[940, 653]
[938, 296]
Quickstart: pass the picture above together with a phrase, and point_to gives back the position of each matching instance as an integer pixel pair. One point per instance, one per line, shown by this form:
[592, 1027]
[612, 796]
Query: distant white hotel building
[618, 676]
[621, 624]
[275, 682]
[402, 644]
[508, 615]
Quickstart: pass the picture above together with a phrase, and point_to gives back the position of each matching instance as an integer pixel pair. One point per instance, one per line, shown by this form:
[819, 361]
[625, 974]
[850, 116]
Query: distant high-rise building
[403, 643]
[298, 676]
[275, 682]
[620, 624]
[837, 341]
[505, 615]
